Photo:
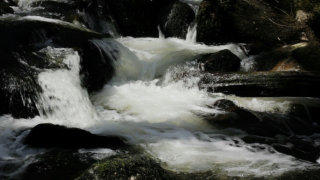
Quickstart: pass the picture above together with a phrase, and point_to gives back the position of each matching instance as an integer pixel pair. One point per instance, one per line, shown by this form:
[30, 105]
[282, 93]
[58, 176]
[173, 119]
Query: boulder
[302, 148]
[263, 84]
[36, 32]
[58, 164]
[138, 18]
[246, 22]
[55, 136]
[5, 8]
[176, 19]
[222, 61]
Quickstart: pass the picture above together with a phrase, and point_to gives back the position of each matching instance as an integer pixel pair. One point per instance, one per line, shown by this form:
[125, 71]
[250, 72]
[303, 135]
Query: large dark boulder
[30, 32]
[138, 18]
[176, 19]
[263, 84]
[55, 136]
[246, 22]
[222, 61]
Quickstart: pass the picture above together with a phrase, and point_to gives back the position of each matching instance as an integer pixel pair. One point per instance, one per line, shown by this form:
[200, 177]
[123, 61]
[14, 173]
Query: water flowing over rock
[176, 19]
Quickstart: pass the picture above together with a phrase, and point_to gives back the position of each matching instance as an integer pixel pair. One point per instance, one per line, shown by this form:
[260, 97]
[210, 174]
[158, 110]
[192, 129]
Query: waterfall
[192, 34]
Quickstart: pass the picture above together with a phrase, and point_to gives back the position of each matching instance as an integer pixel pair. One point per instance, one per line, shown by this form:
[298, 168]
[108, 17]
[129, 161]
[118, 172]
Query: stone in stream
[286, 133]
[58, 164]
[246, 22]
[263, 84]
[175, 19]
[222, 61]
[55, 136]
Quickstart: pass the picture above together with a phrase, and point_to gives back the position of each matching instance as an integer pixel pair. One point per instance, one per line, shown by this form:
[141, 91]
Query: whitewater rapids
[153, 100]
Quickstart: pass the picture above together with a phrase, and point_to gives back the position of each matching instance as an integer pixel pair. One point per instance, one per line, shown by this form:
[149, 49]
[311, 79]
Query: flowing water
[154, 101]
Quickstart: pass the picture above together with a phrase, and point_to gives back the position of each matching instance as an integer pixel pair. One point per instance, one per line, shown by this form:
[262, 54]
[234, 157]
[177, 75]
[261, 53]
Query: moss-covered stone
[58, 164]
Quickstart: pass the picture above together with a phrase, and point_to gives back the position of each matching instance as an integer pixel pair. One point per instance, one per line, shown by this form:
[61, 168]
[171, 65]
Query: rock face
[55, 136]
[263, 84]
[246, 22]
[222, 61]
[176, 19]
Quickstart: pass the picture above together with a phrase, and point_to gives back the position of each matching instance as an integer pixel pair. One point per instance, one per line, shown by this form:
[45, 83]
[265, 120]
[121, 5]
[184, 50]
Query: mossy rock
[58, 164]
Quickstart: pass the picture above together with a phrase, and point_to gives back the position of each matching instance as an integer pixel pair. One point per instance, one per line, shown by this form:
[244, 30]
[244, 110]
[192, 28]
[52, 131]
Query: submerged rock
[222, 61]
[246, 22]
[263, 84]
[55, 136]
[287, 133]
[176, 19]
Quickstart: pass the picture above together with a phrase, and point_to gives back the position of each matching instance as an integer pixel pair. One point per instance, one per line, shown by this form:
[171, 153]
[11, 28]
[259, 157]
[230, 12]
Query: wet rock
[263, 84]
[35, 32]
[58, 164]
[5, 8]
[176, 19]
[222, 61]
[55, 136]
[240, 118]
[97, 64]
[246, 22]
